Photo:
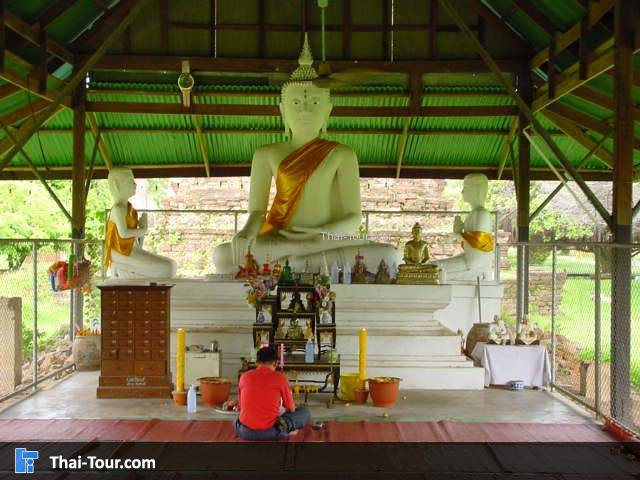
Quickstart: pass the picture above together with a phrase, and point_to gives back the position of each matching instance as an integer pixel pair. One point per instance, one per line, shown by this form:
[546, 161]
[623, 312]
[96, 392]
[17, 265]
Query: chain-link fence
[36, 321]
[586, 300]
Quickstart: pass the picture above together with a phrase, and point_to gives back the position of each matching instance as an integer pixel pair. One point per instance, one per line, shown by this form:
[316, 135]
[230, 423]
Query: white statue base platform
[411, 328]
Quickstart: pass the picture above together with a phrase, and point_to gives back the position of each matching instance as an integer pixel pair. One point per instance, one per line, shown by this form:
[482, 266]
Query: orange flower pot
[215, 390]
[360, 396]
[384, 390]
[179, 398]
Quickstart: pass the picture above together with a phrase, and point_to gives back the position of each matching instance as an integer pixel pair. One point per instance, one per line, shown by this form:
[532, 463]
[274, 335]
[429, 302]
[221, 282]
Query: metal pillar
[598, 332]
[34, 361]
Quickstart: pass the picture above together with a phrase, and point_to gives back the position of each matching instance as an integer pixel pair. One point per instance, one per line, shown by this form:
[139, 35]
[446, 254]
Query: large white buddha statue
[475, 234]
[317, 201]
[124, 234]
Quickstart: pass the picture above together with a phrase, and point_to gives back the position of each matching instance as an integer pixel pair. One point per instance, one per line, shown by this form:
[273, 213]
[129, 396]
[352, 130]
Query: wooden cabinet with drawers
[135, 341]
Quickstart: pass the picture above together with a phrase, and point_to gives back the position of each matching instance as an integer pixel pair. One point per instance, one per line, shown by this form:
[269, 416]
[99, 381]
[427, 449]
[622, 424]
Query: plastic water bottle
[191, 400]
[346, 279]
[309, 351]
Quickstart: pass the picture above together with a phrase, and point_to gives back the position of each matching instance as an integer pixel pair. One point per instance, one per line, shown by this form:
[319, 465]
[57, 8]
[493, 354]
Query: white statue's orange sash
[293, 173]
[482, 241]
[114, 242]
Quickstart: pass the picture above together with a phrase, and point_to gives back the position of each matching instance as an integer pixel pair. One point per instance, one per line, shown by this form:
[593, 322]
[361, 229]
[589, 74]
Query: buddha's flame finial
[305, 71]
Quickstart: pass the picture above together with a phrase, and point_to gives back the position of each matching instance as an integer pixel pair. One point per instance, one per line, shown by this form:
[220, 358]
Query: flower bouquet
[259, 287]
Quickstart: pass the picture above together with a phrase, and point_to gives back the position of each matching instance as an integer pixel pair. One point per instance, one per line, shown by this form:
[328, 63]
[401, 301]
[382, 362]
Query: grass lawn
[53, 308]
[575, 319]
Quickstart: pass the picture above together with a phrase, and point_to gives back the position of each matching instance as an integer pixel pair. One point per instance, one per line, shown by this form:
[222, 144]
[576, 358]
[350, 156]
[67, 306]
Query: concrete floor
[75, 398]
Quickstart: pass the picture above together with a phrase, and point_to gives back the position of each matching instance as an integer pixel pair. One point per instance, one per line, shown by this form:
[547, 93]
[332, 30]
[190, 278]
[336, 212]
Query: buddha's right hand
[239, 245]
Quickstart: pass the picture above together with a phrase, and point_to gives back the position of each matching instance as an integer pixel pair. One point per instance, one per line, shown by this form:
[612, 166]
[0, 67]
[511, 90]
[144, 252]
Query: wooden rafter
[167, 63]
[30, 84]
[100, 141]
[601, 100]
[7, 90]
[536, 15]
[496, 22]
[273, 111]
[527, 112]
[504, 153]
[77, 77]
[563, 40]
[574, 76]
[32, 33]
[201, 144]
[6, 143]
[23, 112]
[402, 145]
[586, 121]
[576, 134]
[234, 170]
[53, 11]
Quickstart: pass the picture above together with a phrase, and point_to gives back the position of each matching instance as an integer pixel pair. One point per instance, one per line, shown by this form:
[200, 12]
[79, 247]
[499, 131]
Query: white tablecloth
[504, 363]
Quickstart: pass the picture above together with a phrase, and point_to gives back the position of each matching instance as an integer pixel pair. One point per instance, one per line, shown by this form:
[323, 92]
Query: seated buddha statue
[316, 210]
[124, 234]
[415, 269]
[475, 235]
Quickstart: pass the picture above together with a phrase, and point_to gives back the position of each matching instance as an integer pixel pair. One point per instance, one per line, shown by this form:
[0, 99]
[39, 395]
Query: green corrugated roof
[138, 147]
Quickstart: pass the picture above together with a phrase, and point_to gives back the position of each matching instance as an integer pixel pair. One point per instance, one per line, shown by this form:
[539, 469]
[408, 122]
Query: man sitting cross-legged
[261, 393]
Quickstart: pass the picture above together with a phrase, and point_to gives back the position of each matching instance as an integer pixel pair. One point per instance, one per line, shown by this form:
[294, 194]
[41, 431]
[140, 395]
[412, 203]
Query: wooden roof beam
[77, 77]
[596, 11]
[234, 170]
[166, 63]
[99, 139]
[32, 34]
[581, 138]
[601, 100]
[536, 15]
[273, 111]
[30, 84]
[497, 22]
[53, 11]
[201, 144]
[23, 112]
[587, 121]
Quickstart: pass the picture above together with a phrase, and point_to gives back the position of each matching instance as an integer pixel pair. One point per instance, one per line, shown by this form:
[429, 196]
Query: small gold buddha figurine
[382, 275]
[528, 333]
[276, 270]
[295, 330]
[416, 250]
[499, 332]
[359, 273]
[415, 270]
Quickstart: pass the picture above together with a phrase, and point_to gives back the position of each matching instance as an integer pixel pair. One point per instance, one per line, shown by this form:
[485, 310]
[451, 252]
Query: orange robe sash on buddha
[293, 173]
[482, 241]
[114, 242]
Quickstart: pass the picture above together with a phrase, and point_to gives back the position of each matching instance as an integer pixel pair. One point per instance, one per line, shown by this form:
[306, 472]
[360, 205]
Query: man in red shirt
[261, 393]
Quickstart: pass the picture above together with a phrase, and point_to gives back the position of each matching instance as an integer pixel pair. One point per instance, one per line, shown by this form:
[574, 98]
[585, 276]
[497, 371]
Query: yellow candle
[180, 360]
[362, 360]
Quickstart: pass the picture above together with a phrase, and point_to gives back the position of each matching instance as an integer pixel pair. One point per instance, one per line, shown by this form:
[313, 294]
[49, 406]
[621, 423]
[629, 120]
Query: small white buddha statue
[125, 232]
[499, 332]
[475, 233]
[316, 210]
[528, 332]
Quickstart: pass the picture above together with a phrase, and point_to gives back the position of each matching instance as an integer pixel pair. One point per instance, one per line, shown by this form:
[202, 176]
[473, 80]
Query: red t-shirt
[260, 394]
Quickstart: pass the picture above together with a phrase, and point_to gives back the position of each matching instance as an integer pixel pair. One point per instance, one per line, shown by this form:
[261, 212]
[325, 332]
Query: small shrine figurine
[359, 273]
[296, 305]
[276, 270]
[382, 275]
[286, 276]
[295, 330]
[266, 270]
[499, 332]
[528, 333]
[415, 270]
[308, 331]
[250, 267]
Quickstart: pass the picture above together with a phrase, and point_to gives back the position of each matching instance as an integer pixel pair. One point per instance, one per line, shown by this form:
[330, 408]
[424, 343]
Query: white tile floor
[75, 398]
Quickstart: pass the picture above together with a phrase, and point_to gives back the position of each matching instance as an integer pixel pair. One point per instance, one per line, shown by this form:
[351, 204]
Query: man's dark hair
[266, 355]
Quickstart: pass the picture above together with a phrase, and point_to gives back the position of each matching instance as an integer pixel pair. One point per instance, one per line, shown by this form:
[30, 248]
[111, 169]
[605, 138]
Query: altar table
[504, 363]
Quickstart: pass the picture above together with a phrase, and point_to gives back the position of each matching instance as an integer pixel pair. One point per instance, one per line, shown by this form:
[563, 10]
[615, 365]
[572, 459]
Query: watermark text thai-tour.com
[25, 462]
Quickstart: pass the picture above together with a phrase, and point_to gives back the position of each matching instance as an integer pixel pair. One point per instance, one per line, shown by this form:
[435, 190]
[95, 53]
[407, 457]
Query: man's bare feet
[294, 432]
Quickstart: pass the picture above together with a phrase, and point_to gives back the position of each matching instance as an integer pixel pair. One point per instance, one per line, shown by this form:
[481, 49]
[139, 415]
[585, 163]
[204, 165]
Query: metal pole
[366, 223]
[496, 250]
[235, 222]
[553, 316]
[520, 285]
[34, 361]
[479, 299]
[598, 332]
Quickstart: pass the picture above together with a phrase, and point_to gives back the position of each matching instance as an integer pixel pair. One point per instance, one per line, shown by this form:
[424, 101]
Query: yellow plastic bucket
[348, 383]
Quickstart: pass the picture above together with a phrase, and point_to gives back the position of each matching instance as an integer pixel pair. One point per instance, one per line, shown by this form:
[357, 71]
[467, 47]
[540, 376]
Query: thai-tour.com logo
[25, 462]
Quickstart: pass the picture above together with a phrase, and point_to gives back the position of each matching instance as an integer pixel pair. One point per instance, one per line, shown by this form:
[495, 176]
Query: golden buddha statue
[415, 270]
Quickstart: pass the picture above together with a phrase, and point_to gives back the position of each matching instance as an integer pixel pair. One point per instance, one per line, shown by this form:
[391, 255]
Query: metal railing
[37, 328]
[585, 297]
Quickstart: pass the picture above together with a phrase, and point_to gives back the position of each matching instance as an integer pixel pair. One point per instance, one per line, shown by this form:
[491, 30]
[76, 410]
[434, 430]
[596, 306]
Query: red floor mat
[222, 431]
